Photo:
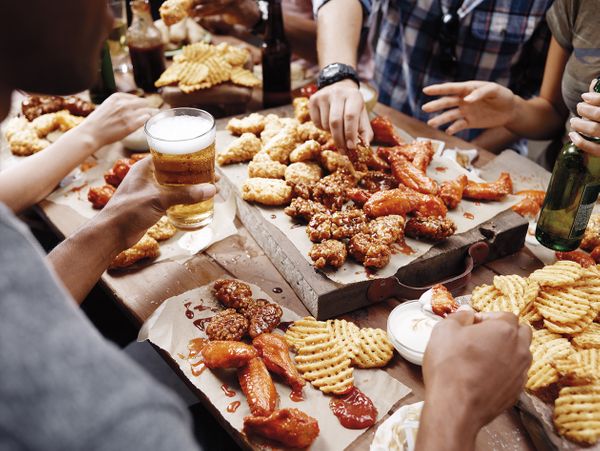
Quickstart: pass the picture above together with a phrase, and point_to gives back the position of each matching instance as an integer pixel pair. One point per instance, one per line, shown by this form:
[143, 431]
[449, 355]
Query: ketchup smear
[354, 410]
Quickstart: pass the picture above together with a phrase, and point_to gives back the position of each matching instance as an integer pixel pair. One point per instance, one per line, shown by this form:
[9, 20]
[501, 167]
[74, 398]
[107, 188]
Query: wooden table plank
[139, 293]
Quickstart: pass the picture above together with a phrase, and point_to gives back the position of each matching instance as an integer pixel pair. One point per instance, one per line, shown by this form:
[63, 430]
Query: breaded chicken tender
[281, 145]
[174, 11]
[26, 142]
[308, 130]
[301, 109]
[266, 168]
[162, 230]
[254, 123]
[335, 161]
[45, 124]
[267, 191]
[308, 150]
[303, 172]
[147, 247]
[240, 150]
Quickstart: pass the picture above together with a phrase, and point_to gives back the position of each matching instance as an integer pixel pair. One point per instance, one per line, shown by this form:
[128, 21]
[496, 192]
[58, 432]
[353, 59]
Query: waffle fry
[347, 334]
[170, 76]
[244, 77]
[374, 349]
[219, 70]
[194, 74]
[563, 305]
[560, 273]
[513, 287]
[577, 413]
[545, 351]
[322, 361]
[302, 329]
[589, 338]
[571, 328]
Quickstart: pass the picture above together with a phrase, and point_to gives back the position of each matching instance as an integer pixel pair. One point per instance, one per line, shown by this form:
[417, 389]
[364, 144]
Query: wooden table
[141, 292]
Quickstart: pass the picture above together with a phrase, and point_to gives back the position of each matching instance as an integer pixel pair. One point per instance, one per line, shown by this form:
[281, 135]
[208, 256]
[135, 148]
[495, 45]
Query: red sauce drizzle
[284, 325]
[233, 406]
[76, 189]
[201, 308]
[403, 248]
[477, 203]
[354, 410]
[228, 391]
[468, 215]
[441, 169]
[195, 346]
[296, 396]
[188, 313]
[201, 323]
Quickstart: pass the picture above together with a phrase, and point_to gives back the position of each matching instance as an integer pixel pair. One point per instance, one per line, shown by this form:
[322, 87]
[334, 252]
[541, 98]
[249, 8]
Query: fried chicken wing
[240, 150]
[531, 204]
[591, 237]
[595, 254]
[319, 227]
[423, 155]
[174, 11]
[231, 293]
[257, 385]
[263, 316]
[374, 181]
[254, 123]
[429, 205]
[275, 353]
[162, 230]
[359, 196]
[430, 228]
[337, 225]
[227, 325]
[308, 150]
[331, 190]
[301, 109]
[271, 192]
[291, 428]
[392, 202]
[100, 195]
[304, 209]
[442, 301]
[328, 253]
[387, 229]
[497, 190]
[451, 192]
[309, 131]
[360, 157]
[308, 173]
[410, 176]
[227, 354]
[369, 251]
[145, 248]
[117, 173]
[577, 256]
[384, 132]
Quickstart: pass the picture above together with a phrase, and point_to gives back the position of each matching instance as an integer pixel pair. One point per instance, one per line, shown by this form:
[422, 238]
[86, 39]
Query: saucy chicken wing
[374, 181]
[100, 195]
[369, 251]
[328, 253]
[359, 196]
[442, 301]
[227, 354]
[227, 325]
[577, 256]
[451, 192]
[275, 353]
[257, 385]
[429, 205]
[291, 428]
[331, 190]
[497, 190]
[531, 204]
[117, 173]
[263, 316]
[392, 202]
[384, 132]
[231, 293]
[430, 228]
[387, 229]
[407, 174]
[304, 209]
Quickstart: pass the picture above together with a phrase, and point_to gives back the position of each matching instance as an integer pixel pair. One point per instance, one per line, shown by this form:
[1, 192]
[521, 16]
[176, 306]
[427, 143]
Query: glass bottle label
[588, 201]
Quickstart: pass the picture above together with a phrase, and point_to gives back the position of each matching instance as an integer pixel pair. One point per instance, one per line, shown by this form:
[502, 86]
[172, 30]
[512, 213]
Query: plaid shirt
[505, 41]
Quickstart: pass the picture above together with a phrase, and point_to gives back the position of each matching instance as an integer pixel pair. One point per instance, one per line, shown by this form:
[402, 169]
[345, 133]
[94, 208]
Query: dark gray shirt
[62, 386]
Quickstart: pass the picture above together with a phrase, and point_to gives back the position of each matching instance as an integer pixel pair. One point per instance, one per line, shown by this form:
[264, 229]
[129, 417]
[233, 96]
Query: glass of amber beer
[182, 143]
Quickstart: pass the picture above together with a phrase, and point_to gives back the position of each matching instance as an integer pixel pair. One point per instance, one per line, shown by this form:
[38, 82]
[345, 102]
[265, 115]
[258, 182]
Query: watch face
[330, 70]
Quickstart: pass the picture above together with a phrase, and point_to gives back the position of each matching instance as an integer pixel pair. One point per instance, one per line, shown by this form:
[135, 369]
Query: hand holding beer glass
[182, 143]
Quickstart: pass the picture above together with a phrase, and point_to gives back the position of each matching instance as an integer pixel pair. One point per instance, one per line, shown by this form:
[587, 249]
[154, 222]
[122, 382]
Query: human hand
[240, 12]
[140, 202]
[589, 123]
[470, 104]
[340, 109]
[118, 116]
[477, 364]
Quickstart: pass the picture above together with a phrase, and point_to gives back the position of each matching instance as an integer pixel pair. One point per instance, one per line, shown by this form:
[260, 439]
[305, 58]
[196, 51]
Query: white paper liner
[171, 330]
[440, 169]
[399, 432]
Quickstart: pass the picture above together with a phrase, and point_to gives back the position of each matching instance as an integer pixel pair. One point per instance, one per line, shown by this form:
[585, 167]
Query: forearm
[495, 139]
[80, 259]
[338, 32]
[302, 34]
[535, 118]
[444, 425]
[31, 180]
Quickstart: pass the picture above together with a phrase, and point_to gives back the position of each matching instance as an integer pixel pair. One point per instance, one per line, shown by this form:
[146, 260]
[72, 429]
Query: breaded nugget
[242, 149]
[266, 168]
[162, 230]
[66, 121]
[255, 124]
[281, 145]
[26, 142]
[272, 126]
[307, 173]
[308, 130]
[267, 191]
[308, 150]
[147, 247]
[15, 125]
[335, 161]
[301, 109]
[45, 124]
[173, 11]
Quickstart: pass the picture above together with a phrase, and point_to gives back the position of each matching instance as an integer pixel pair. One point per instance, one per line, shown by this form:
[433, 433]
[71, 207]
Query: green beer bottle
[105, 82]
[571, 196]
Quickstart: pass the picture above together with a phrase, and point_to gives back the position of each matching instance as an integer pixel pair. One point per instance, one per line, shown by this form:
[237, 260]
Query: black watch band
[335, 72]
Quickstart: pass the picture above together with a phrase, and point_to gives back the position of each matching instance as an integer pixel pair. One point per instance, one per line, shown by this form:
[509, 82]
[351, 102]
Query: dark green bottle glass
[570, 198]
[105, 83]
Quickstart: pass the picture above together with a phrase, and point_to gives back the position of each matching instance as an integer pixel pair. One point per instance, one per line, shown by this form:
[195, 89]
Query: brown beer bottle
[145, 47]
[276, 59]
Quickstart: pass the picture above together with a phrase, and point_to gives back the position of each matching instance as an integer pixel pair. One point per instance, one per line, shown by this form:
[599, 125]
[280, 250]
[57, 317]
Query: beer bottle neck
[274, 29]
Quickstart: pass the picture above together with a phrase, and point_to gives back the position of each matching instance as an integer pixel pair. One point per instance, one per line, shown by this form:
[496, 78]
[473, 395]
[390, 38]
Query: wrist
[514, 116]
[88, 138]
[335, 73]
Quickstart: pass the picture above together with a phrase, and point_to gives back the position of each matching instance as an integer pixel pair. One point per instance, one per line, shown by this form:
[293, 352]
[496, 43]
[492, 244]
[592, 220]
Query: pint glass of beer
[182, 142]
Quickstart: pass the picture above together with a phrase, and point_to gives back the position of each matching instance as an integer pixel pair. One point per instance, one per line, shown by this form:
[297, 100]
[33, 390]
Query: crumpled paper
[399, 432]
[171, 329]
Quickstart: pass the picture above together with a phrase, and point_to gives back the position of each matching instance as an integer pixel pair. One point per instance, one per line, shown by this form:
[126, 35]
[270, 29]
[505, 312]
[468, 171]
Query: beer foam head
[180, 134]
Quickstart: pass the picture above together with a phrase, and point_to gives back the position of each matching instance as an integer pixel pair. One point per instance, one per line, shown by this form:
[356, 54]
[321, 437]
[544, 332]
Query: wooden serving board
[324, 298]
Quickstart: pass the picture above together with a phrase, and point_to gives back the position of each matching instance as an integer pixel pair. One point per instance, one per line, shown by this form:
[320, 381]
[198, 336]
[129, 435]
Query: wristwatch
[335, 72]
[259, 27]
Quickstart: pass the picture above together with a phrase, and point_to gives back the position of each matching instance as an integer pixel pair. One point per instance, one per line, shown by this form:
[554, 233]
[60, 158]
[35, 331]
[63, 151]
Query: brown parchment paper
[170, 329]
